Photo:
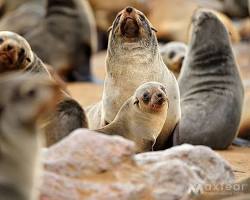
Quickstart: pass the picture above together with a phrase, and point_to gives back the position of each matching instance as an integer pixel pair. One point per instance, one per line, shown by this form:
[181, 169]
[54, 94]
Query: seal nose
[129, 10]
[9, 47]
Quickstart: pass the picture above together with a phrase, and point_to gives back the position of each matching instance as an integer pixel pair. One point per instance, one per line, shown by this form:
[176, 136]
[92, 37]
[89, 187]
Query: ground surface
[88, 93]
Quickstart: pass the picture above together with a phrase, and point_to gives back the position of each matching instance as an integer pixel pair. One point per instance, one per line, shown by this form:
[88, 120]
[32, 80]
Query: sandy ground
[88, 93]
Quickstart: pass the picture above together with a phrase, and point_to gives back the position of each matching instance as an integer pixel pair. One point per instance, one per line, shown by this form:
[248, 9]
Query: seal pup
[142, 117]
[66, 38]
[133, 58]
[16, 54]
[210, 86]
[173, 54]
[26, 99]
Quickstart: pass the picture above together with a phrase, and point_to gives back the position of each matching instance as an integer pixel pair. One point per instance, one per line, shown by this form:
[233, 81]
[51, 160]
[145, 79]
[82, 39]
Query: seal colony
[210, 86]
[16, 54]
[133, 58]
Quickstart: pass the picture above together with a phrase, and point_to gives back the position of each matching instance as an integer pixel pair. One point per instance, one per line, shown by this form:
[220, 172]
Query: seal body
[210, 85]
[23, 19]
[16, 54]
[25, 100]
[142, 117]
[133, 58]
[65, 38]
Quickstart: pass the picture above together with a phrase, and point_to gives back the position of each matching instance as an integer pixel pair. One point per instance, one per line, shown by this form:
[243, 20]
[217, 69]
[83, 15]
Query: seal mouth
[130, 28]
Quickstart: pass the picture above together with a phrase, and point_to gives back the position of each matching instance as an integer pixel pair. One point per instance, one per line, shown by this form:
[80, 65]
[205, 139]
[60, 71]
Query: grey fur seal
[142, 117]
[25, 100]
[210, 86]
[133, 58]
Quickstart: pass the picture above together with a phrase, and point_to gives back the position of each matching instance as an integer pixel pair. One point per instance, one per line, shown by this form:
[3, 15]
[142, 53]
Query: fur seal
[68, 30]
[23, 19]
[133, 58]
[25, 100]
[173, 54]
[210, 86]
[236, 8]
[142, 117]
[16, 54]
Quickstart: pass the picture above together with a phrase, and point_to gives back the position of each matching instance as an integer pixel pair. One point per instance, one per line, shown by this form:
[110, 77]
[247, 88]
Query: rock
[89, 165]
[204, 161]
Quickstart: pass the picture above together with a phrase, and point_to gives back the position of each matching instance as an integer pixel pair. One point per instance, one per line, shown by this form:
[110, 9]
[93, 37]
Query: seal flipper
[68, 117]
[210, 86]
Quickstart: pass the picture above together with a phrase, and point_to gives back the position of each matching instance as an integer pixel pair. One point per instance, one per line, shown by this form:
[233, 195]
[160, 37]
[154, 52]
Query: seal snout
[154, 99]
[129, 26]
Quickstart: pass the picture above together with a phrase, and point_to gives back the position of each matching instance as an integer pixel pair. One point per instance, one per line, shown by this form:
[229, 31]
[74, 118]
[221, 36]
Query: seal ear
[153, 29]
[137, 101]
[109, 29]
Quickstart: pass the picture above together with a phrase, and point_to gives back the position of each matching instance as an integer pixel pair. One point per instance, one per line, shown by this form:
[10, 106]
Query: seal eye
[1, 40]
[117, 20]
[28, 59]
[171, 54]
[163, 89]
[146, 97]
[142, 18]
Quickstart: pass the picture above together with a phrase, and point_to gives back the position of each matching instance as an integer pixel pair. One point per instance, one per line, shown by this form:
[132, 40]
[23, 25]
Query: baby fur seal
[210, 86]
[66, 38]
[133, 58]
[16, 54]
[173, 54]
[25, 100]
[142, 117]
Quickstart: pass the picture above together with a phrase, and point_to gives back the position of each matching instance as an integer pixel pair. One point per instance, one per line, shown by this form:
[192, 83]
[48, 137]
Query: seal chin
[129, 28]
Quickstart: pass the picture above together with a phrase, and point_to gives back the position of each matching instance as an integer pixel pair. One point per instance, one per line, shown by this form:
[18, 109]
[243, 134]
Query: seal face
[210, 86]
[15, 52]
[25, 100]
[142, 117]
[173, 54]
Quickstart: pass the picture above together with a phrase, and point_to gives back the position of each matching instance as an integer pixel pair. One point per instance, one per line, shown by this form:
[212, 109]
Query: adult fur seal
[210, 85]
[16, 54]
[65, 38]
[133, 58]
[24, 100]
[142, 116]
